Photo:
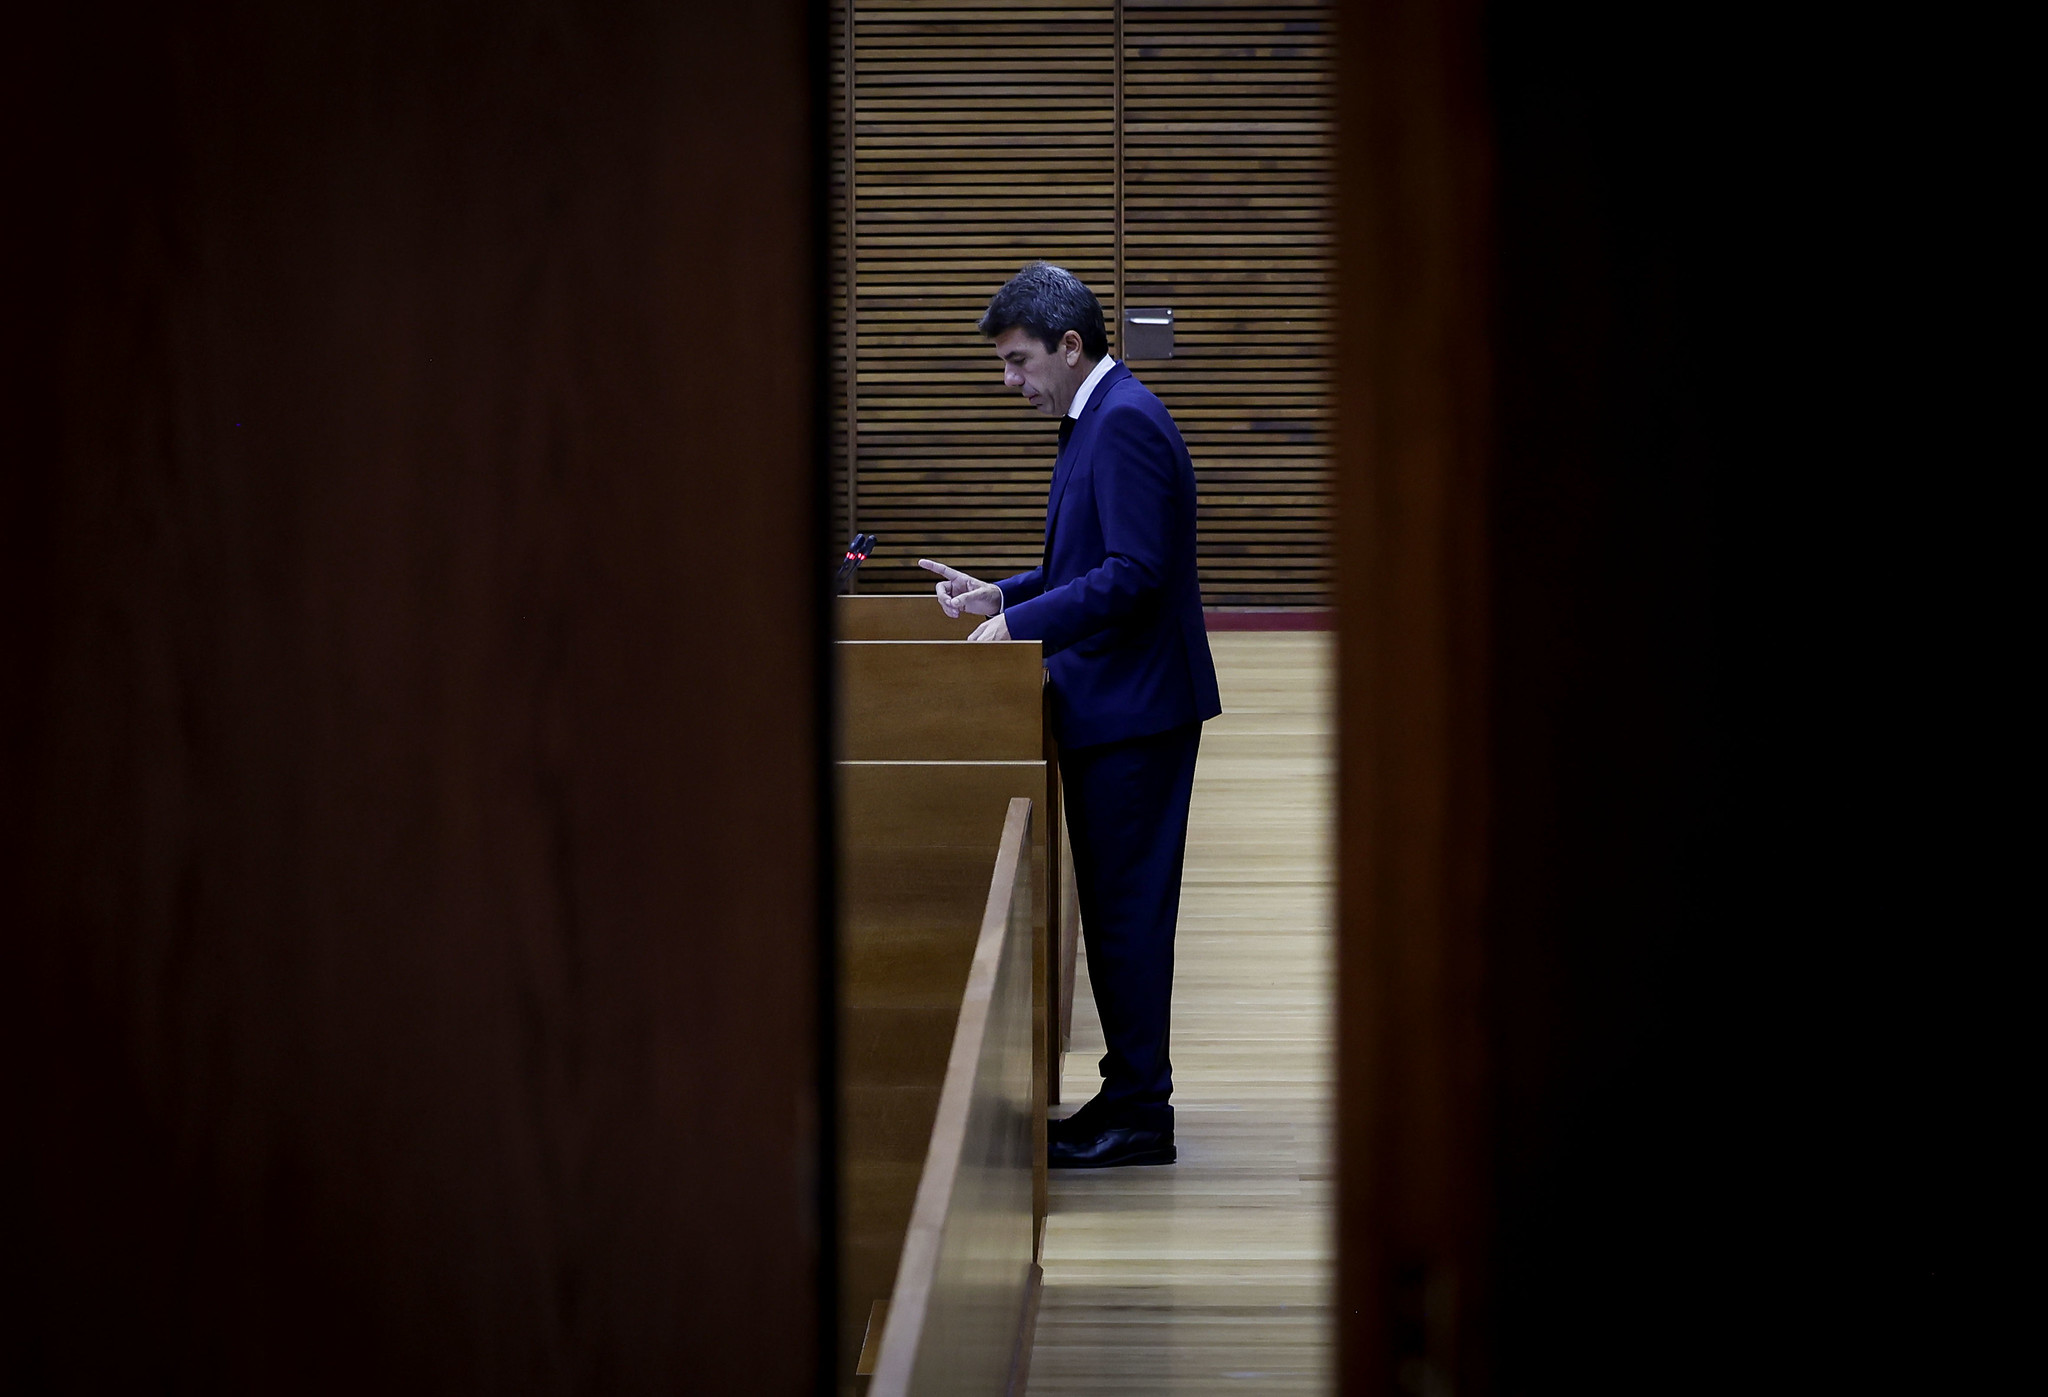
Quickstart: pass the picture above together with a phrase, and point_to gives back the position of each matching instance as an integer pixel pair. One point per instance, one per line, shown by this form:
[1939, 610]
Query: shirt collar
[1088, 385]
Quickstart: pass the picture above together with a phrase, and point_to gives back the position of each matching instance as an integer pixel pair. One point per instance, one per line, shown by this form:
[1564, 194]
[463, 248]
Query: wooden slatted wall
[980, 139]
[1226, 215]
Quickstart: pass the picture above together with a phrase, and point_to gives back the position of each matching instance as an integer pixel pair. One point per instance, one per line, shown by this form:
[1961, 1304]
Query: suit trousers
[1127, 816]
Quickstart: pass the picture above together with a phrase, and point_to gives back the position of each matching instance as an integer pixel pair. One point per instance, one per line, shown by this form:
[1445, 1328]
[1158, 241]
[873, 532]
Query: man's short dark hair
[1048, 301]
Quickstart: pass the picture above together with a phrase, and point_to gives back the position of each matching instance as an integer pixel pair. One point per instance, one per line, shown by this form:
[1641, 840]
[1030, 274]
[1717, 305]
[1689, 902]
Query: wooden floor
[1213, 1275]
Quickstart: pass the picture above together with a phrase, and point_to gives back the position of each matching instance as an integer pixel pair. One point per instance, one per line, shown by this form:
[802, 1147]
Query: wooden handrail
[909, 1364]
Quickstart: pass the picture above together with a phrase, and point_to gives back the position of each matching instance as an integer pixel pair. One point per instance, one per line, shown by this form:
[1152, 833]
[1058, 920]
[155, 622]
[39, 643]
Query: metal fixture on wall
[1148, 332]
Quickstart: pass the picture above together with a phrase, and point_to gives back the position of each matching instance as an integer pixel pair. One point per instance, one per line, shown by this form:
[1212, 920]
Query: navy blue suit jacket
[1116, 602]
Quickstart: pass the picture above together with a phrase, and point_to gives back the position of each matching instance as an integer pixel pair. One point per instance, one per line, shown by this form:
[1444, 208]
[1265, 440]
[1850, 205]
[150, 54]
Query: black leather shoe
[1108, 1148]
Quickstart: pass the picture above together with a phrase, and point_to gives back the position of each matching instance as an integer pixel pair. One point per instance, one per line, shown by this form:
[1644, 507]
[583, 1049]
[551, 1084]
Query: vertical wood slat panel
[980, 140]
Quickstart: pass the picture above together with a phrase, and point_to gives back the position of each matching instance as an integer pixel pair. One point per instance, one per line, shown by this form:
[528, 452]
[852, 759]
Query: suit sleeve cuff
[1022, 621]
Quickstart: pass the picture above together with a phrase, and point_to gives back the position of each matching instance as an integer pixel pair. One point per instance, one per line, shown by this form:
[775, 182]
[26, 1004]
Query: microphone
[857, 550]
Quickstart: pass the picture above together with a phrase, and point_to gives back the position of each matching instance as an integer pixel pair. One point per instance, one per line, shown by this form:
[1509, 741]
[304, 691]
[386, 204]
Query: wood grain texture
[905, 735]
[1226, 214]
[971, 703]
[966, 1286]
[1566, 1098]
[941, 701]
[1065, 913]
[917, 841]
[1416, 213]
[404, 837]
[873, 616]
[956, 702]
[950, 701]
[1187, 162]
[1215, 1275]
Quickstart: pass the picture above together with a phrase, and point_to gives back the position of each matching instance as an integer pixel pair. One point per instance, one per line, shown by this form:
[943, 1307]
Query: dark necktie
[1066, 430]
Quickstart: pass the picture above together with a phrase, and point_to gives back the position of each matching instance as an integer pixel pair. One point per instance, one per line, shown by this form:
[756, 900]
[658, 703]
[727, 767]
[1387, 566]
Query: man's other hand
[958, 592]
[994, 628]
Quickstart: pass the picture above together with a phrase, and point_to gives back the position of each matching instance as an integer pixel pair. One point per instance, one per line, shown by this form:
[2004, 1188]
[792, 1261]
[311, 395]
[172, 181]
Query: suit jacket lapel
[1062, 471]
[1063, 468]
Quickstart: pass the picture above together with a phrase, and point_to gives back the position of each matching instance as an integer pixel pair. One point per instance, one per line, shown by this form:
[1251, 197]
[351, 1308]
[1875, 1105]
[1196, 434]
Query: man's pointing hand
[958, 592]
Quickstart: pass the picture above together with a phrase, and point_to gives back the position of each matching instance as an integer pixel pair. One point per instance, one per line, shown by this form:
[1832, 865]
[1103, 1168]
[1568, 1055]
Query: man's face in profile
[1047, 378]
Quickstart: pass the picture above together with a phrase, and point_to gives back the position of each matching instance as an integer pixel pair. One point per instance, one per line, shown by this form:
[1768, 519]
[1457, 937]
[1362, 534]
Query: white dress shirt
[1087, 388]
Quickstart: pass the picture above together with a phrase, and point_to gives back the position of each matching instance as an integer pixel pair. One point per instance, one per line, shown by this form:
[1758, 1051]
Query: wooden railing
[964, 1306]
[938, 740]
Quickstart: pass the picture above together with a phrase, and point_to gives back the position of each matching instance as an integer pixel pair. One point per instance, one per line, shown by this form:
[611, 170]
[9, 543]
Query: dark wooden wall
[1594, 918]
[411, 846]
[1227, 154]
[1169, 154]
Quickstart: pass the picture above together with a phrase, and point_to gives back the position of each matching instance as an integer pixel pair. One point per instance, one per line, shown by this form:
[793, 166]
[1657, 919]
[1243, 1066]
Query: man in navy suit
[1116, 604]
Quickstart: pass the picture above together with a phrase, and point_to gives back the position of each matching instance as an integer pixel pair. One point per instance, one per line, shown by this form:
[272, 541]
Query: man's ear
[1070, 345]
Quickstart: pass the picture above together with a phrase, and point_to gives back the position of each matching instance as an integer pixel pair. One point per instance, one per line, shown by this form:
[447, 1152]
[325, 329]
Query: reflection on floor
[1213, 1275]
